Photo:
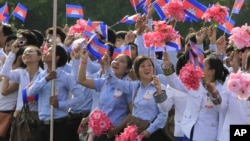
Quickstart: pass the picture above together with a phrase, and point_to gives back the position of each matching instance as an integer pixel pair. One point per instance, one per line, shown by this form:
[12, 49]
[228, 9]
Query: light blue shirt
[64, 85]
[86, 93]
[144, 106]
[113, 102]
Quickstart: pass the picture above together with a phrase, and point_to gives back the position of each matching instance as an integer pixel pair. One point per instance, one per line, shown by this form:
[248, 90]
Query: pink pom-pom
[216, 13]
[191, 76]
[175, 9]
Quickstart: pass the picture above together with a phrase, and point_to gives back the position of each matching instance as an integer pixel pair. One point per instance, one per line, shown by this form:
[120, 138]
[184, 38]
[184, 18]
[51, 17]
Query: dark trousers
[7, 137]
[104, 138]
[157, 136]
[73, 125]
[60, 132]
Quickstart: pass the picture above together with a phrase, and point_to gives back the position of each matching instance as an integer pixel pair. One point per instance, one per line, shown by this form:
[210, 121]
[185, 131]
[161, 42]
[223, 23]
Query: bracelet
[84, 62]
[217, 99]
[160, 98]
[169, 70]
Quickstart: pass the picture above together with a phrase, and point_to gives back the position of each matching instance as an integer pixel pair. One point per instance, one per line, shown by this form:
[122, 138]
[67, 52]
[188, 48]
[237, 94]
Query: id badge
[209, 103]
[117, 93]
[147, 95]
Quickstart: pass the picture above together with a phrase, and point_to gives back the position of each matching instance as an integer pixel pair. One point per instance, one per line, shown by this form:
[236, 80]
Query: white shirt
[20, 76]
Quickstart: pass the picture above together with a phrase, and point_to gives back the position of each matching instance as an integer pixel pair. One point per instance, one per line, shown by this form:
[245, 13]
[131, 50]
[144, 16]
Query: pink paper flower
[236, 36]
[216, 13]
[191, 76]
[162, 33]
[130, 134]
[99, 122]
[239, 83]
[77, 28]
[175, 9]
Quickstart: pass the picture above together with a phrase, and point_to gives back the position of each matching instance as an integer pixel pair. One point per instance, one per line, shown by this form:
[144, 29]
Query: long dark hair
[215, 63]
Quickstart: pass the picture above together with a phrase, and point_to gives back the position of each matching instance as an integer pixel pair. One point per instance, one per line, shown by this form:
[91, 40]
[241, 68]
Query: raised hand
[157, 84]
[221, 44]
[211, 33]
[84, 54]
[200, 35]
[166, 60]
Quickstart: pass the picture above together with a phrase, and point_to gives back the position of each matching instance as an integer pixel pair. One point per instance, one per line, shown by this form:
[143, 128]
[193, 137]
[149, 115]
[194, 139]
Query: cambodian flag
[20, 12]
[228, 26]
[122, 50]
[194, 9]
[237, 6]
[158, 4]
[175, 44]
[116, 52]
[146, 6]
[194, 53]
[96, 48]
[89, 30]
[126, 50]
[130, 19]
[74, 11]
[101, 28]
[137, 4]
[4, 13]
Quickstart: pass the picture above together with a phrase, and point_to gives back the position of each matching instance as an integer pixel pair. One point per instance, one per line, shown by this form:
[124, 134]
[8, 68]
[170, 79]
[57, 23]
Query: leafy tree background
[40, 13]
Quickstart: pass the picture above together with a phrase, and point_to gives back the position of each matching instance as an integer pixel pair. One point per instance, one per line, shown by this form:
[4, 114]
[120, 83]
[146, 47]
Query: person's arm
[8, 87]
[82, 71]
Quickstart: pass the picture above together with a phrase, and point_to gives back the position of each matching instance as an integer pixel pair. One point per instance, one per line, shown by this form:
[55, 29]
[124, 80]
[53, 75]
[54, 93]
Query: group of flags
[192, 8]
[19, 12]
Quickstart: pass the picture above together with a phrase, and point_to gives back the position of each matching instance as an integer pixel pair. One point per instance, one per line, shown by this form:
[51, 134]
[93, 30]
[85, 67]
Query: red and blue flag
[137, 4]
[20, 12]
[96, 48]
[4, 13]
[228, 26]
[122, 50]
[101, 28]
[194, 9]
[195, 54]
[89, 30]
[74, 11]
[130, 19]
[158, 4]
[237, 6]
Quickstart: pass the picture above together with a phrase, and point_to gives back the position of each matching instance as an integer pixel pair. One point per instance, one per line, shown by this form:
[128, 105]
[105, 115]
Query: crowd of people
[144, 86]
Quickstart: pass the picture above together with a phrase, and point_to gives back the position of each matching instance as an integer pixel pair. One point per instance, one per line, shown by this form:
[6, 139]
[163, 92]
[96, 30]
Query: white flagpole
[53, 67]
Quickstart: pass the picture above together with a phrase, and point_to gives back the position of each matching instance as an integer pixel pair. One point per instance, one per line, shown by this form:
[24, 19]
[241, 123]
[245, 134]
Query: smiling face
[31, 55]
[144, 67]
[120, 65]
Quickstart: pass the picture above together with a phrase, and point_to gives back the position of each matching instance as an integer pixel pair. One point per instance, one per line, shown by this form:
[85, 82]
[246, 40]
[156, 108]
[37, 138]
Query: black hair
[7, 30]
[111, 35]
[121, 34]
[60, 51]
[111, 49]
[39, 36]
[10, 37]
[20, 53]
[59, 31]
[215, 63]
[30, 36]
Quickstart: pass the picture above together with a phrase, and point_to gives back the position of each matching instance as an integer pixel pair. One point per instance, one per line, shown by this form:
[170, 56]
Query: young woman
[64, 85]
[31, 57]
[144, 108]
[113, 102]
[201, 114]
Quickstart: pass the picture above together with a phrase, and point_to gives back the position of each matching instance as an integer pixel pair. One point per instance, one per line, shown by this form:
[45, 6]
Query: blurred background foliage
[40, 13]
